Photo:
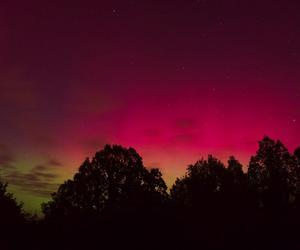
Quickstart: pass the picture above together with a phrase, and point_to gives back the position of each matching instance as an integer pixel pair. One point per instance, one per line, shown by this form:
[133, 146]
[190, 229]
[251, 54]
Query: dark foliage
[12, 217]
[10, 211]
[273, 175]
[115, 180]
[114, 202]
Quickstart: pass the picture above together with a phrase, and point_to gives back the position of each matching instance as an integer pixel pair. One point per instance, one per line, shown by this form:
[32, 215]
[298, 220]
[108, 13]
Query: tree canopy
[114, 180]
[208, 182]
[273, 174]
[114, 201]
[11, 211]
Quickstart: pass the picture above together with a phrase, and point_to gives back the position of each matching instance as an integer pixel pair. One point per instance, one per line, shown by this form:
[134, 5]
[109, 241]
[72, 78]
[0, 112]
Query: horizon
[36, 208]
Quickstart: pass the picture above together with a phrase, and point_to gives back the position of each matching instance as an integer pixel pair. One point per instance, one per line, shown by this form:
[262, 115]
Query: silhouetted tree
[114, 202]
[11, 212]
[211, 200]
[236, 185]
[203, 183]
[272, 174]
[114, 180]
[236, 169]
[209, 183]
[297, 154]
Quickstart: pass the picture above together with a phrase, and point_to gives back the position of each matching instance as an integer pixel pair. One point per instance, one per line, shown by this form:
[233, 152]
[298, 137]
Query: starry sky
[176, 80]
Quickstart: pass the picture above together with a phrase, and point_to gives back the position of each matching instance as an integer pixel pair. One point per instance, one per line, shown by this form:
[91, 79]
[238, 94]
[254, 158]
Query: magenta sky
[175, 80]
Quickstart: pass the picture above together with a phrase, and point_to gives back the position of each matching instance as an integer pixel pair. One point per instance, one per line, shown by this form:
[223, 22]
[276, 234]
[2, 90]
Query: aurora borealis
[176, 80]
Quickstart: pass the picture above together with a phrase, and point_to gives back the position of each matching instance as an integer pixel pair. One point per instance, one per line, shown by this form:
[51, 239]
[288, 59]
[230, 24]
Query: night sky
[176, 80]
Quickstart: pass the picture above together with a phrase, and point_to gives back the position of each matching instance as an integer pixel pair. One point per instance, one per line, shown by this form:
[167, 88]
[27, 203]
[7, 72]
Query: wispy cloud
[39, 180]
[185, 123]
[54, 162]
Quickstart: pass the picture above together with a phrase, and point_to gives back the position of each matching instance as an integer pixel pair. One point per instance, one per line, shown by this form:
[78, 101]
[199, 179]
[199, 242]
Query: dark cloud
[54, 162]
[152, 133]
[40, 168]
[38, 181]
[185, 123]
[183, 138]
[7, 158]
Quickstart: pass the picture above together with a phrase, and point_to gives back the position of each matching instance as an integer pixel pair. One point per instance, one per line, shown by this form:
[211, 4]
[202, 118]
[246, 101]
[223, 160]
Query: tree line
[114, 201]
